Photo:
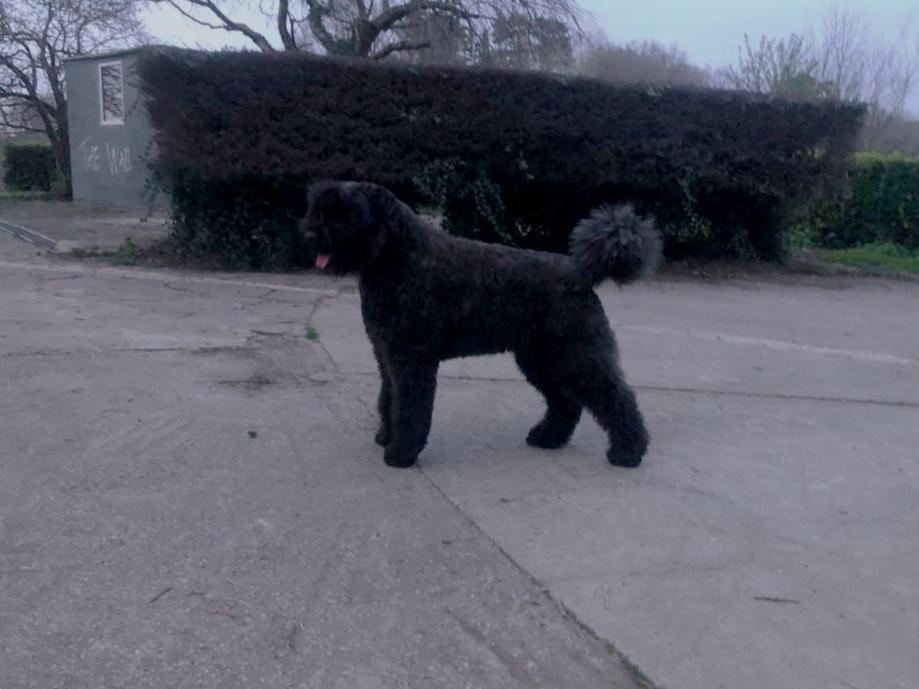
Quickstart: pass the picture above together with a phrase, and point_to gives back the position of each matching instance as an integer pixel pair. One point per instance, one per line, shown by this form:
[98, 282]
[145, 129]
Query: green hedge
[881, 205]
[509, 156]
[28, 167]
[240, 223]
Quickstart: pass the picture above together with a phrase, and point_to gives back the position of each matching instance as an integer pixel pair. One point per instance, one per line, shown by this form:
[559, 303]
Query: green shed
[110, 134]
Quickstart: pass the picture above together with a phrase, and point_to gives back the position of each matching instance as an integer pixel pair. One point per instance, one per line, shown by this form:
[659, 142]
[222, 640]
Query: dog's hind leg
[599, 385]
[563, 411]
[413, 385]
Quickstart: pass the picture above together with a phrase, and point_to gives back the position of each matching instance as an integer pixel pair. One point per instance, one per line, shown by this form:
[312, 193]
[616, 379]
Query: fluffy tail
[615, 242]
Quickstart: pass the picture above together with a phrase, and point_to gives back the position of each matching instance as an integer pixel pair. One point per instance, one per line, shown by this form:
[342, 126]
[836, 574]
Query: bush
[472, 203]
[510, 156]
[243, 223]
[29, 167]
[881, 205]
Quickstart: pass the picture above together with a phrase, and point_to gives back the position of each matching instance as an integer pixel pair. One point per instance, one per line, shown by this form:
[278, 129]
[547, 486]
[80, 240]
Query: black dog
[427, 296]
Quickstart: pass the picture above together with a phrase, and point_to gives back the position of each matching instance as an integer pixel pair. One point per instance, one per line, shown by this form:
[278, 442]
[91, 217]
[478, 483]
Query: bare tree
[843, 61]
[519, 41]
[785, 67]
[645, 62]
[842, 53]
[380, 28]
[36, 36]
[448, 40]
[899, 134]
[881, 73]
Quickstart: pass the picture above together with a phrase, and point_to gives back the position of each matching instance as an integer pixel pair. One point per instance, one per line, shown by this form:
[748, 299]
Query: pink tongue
[322, 261]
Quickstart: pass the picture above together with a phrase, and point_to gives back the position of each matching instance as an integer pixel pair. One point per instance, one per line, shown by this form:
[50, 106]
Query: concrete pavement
[190, 495]
[188, 498]
[63, 226]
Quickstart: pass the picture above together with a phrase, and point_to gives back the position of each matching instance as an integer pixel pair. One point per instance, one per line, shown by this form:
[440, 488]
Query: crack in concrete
[515, 667]
[318, 304]
[906, 404]
[53, 278]
[171, 278]
[767, 343]
[216, 349]
[583, 629]
[779, 396]
[28, 235]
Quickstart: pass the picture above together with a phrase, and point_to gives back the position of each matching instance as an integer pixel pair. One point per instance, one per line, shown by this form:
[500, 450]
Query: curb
[31, 236]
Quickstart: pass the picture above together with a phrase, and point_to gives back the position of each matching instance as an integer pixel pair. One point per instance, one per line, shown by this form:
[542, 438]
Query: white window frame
[102, 120]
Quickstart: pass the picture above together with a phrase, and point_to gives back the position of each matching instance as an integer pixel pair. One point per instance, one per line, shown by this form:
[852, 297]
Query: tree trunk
[365, 33]
[60, 148]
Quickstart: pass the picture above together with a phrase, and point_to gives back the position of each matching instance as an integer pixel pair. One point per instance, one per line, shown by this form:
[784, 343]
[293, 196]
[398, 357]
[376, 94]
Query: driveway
[190, 495]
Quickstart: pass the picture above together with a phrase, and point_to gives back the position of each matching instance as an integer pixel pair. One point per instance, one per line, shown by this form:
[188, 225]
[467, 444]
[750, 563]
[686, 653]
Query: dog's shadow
[480, 427]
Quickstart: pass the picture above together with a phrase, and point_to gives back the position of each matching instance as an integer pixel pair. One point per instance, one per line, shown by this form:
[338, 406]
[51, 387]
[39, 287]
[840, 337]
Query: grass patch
[26, 206]
[88, 252]
[884, 257]
[26, 196]
[157, 253]
[129, 253]
[312, 334]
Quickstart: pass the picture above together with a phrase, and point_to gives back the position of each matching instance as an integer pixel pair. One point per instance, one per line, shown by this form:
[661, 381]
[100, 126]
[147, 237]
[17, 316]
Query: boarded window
[111, 92]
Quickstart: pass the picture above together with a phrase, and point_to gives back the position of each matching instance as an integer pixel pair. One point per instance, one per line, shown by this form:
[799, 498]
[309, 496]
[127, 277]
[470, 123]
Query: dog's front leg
[413, 385]
[384, 407]
[384, 400]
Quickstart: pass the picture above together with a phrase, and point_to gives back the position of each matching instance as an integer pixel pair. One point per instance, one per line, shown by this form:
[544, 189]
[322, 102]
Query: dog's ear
[370, 206]
[328, 198]
[364, 202]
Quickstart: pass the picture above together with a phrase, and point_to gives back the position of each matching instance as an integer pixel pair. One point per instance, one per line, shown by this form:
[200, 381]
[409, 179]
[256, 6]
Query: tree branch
[284, 24]
[21, 126]
[226, 24]
[316, 12]
[387, 18]
[400, 46]
[28, 84]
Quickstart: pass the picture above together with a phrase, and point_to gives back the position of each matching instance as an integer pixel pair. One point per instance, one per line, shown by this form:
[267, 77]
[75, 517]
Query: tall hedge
[529, 154]
[28, 167]
[881, 204]
[247, 221]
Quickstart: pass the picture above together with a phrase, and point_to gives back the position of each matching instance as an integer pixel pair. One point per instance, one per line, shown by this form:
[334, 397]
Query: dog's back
[463, 297]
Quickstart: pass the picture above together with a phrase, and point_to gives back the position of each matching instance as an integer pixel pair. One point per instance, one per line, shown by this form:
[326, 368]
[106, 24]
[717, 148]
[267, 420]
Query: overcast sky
[710, 31]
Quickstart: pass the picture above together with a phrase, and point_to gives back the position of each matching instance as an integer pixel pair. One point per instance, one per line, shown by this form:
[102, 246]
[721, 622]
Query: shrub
[242, 223]
[472, 203]
[512, 156]
[29, 167]
[881, 205]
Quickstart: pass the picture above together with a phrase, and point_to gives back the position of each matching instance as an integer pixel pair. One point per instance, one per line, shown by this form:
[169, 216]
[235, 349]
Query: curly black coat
[427, 296]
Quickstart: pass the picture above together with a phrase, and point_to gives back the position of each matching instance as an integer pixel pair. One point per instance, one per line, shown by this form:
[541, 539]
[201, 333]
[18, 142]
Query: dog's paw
[620, 458]
[547, 437]
[382, 437]
[400, 460]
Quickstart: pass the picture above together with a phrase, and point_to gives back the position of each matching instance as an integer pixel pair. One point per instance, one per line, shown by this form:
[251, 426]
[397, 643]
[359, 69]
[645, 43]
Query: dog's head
[347, 222]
